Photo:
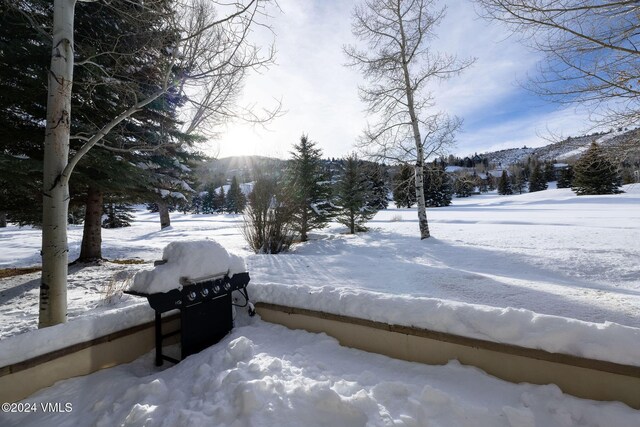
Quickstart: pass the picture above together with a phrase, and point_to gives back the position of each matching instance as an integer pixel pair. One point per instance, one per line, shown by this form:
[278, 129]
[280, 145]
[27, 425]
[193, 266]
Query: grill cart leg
[158, 328]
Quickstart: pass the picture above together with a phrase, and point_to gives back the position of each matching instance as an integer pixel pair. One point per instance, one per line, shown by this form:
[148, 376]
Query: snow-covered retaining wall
[38, 342]
[514, 345]
[607, 341]
[38, 359]
[585, 378]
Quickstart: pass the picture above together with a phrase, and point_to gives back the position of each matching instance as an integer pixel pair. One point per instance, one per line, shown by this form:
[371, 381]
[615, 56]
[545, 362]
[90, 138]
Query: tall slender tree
[352, 191]
[378, 177]
[309, 190]
[504, 184]
[519, 182]
[537, 181]
[399, 64]
[236, 200]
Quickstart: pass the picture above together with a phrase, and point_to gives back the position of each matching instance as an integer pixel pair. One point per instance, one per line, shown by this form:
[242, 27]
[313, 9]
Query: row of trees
[214, 199]
[438, 186]
[593, 173]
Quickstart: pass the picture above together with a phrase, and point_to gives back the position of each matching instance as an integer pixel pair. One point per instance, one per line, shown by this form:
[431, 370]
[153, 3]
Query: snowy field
[549, 252]
[539, 269]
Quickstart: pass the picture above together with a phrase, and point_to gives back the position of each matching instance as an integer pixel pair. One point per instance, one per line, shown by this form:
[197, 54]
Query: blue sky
[321, 99]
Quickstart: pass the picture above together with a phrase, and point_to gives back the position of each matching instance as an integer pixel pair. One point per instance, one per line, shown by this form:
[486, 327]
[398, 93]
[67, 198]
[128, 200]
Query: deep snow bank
[264, 375]
[187, 259]
[503, 325]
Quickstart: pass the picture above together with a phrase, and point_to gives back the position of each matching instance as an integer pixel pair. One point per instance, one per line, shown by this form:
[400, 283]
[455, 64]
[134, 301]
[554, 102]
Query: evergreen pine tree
[235, 199]
[504, 185]
[594, 173]
[117, 215]
[352, 192]
[404, 189]
[549, 172]
[309, 190]
[196, 204]
[463, 186]
[101, 87]
[377, 198]
[537, 182]
[25, 55]
[519, 181]
[438, 189]
[209, 199]
[566, 177]
[220, 201]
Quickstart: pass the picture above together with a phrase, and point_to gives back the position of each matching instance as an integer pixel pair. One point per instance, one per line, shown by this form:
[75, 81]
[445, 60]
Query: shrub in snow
[191, 260]
[117, 215]
[268, 219]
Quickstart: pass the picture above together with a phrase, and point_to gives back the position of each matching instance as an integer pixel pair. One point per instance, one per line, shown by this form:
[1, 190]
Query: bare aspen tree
[212, 51]
[399, 64]
[53, 286]
[591, 50]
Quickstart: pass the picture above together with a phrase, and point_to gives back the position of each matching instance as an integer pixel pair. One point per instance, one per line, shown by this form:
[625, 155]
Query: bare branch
[591, 49]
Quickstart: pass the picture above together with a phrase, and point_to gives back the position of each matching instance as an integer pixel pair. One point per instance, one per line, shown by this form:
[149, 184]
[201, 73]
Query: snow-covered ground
[550, 252]
[530, 269]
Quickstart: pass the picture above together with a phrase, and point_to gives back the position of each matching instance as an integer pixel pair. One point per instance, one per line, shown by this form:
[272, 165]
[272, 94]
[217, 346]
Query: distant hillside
[245, 168]
[569, 149]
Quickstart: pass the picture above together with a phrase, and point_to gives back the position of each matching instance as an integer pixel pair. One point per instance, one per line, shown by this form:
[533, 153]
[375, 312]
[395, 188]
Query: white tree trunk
[419, 167]
[53, 287]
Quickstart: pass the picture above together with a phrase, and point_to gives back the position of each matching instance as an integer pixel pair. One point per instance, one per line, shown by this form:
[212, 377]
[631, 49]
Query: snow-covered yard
[503, 260]
[550, 252]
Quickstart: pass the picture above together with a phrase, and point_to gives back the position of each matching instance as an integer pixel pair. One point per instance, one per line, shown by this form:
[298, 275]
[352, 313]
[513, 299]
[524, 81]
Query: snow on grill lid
[188, 259]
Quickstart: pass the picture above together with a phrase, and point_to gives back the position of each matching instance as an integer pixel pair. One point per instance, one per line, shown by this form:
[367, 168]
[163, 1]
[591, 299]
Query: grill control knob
[204, 292]
[216, 288]
[227, 286]
[192, 296]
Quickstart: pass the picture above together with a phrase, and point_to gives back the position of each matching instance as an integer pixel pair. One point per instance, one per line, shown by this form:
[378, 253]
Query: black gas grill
[206, 313]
